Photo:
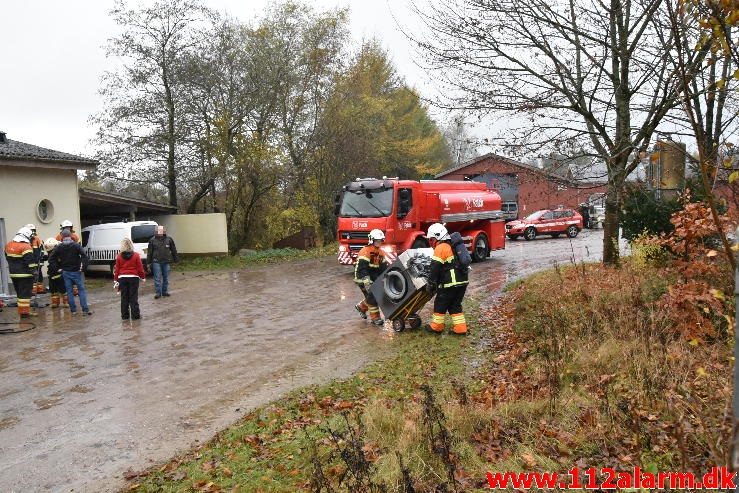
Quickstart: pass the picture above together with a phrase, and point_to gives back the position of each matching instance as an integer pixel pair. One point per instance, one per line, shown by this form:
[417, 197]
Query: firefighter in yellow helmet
[448, 279]
[371, 262]
[22, 265]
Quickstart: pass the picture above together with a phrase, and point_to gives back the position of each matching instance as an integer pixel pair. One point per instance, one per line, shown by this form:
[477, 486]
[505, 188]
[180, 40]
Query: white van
[102, 242]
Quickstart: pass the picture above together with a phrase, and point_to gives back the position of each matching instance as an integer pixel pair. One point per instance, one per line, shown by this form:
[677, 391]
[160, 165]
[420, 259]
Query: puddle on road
[42, 404]
[81, 389]
[44, 383]
[9, 422]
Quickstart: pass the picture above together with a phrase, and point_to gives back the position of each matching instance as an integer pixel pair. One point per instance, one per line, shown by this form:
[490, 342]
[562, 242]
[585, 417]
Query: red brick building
[530, 187]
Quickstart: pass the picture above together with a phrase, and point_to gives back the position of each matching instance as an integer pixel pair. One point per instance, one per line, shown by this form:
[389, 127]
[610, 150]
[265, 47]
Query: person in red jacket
[126, 275]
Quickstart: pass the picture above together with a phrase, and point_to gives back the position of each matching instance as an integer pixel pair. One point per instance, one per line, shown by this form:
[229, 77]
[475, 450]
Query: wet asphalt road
[82, 400]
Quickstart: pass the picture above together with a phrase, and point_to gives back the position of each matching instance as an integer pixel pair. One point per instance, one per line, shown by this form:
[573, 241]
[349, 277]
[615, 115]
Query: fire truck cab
[404, 209]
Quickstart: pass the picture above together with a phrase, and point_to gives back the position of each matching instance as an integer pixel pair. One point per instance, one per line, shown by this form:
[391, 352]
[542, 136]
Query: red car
[546, 222]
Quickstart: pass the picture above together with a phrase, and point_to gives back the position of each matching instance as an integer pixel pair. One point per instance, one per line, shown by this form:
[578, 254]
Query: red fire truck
[404, 209]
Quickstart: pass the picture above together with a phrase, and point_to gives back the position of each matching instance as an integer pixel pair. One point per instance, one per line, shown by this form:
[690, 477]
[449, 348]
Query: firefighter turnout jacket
[445, 271]
[371, 262]
[21, 260]
[73, 235]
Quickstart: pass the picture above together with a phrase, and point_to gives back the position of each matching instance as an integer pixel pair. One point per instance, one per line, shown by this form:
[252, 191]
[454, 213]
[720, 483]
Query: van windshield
[143, 233]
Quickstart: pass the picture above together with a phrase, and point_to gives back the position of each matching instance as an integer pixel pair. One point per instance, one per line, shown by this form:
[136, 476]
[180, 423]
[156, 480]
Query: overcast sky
[52, 56]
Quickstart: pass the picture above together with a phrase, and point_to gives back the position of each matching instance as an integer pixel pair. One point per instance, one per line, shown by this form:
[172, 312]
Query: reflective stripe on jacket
[444, 270]
[369, 263]
[21, 260]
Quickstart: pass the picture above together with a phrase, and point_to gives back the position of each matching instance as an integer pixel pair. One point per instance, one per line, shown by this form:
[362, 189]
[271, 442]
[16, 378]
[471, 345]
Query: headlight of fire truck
[342, 248]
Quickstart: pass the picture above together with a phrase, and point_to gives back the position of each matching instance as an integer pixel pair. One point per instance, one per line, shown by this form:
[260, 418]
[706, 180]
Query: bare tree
[140, 127]
[589, 71]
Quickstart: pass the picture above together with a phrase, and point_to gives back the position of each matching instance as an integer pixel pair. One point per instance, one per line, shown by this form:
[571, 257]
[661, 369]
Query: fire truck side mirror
[337, 204]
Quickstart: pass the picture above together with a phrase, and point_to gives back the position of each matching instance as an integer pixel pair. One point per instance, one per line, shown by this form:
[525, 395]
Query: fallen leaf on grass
[341, 405]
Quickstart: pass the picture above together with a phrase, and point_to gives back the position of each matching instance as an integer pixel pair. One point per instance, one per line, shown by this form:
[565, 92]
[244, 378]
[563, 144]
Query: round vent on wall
[45, 211]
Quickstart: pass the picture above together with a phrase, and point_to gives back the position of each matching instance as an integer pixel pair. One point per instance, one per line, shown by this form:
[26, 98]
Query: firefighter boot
[437, 323]
[459, 324]
[374, 313]
[361, 307]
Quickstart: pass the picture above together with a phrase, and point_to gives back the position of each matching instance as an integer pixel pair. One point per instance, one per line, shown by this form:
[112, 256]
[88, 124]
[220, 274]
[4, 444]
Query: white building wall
[23, 188]
[197, 234]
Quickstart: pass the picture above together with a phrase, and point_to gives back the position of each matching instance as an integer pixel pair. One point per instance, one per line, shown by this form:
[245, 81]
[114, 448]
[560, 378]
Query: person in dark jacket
[448, 280]
[126, 275]
[72, 259]
[161, 253]
[22, 266]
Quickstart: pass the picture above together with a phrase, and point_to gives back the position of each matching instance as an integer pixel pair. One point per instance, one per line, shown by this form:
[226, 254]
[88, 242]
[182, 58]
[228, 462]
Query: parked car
[547, 222]
[509, 210]
[102, 242]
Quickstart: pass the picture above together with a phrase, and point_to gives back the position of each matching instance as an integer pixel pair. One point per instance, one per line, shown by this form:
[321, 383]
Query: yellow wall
[197, 234]
[22, 188]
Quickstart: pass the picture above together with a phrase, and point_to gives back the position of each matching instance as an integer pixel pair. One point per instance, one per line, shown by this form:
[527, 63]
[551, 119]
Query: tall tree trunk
[171, 170]
[611, 253]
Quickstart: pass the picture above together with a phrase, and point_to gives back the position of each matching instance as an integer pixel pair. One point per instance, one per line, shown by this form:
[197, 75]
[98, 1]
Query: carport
[102, 207]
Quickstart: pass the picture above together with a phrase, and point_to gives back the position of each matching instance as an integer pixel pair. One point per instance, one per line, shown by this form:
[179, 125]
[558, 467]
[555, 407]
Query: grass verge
[269, 256]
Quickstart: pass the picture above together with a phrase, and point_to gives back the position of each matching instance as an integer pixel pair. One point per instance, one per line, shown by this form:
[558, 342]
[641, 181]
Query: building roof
[94, 203]
[490, 155]
[559, 173]
[27, 154]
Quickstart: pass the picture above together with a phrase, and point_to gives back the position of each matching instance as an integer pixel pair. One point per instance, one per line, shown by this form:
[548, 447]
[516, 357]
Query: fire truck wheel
[414, 321]
[398, 325]
[395, 286]
[529, 234]
[482, 248]
[572, 231]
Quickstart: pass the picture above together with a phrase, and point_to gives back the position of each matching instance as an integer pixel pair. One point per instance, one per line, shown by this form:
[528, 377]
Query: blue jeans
[70, 279]
[161, 277]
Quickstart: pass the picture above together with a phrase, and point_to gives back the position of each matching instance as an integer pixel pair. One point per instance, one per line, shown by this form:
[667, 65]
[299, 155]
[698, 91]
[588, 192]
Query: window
[548, 216]
[367, 203]
[45, 211]
[85, 238]
[143, 233]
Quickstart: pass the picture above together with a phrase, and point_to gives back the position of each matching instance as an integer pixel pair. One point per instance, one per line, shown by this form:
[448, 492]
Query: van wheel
[482, 248]
[420, 243]
[112, 269]
[529, 234]
[572, 231]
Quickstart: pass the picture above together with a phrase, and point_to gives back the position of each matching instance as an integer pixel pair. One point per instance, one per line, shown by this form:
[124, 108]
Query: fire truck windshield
[367, 203]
